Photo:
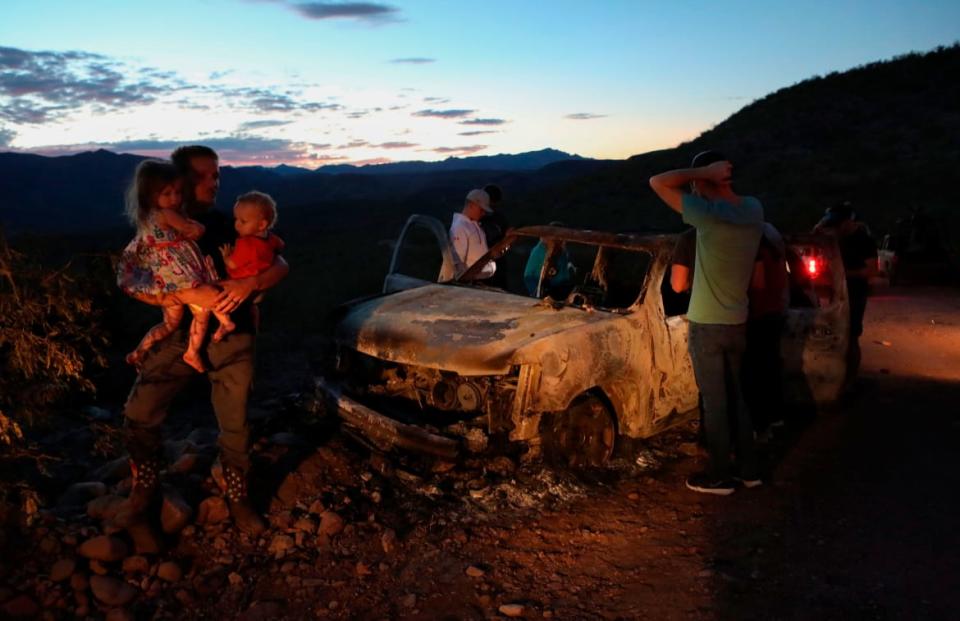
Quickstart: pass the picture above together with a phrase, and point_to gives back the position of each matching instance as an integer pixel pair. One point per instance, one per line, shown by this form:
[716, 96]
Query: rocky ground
[857, 519]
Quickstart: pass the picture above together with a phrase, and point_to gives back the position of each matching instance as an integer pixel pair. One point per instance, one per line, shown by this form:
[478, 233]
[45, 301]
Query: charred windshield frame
[553, 237]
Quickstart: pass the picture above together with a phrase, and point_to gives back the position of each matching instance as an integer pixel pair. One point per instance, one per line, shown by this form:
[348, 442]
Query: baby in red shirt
[254, 214]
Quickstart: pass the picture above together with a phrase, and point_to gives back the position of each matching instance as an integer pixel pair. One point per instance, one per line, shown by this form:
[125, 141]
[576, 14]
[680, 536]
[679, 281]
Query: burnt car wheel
[582, 436]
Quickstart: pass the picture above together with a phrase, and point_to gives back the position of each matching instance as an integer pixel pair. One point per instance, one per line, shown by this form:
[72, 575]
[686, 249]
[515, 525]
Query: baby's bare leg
[171, 320]
[226, 326]
[198, 330]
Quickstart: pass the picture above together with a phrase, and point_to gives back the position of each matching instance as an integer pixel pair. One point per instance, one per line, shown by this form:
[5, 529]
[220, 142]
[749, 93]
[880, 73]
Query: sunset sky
[312, 83]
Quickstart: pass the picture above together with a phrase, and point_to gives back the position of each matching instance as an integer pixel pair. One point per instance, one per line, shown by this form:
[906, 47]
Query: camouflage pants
[164, 374]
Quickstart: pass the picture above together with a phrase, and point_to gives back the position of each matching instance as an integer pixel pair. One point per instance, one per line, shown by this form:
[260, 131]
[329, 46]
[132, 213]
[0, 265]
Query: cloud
[478, 132]
[444, 114]
[371, 12]
[436, 100]
[413, 61]
[262, 124]
[584, 116]
[396, 145]
[40, 86]
[460, 150]
[236, 149]
[6, 136]
[483, 122]
[268, 100]
[354, 144]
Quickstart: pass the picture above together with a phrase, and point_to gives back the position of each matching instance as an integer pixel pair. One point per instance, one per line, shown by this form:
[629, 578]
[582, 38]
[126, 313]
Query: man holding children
[244, 266]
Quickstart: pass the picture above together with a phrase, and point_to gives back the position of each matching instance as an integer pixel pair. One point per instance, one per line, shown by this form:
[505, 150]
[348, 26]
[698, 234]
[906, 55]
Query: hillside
[84, 192]
[884, 135]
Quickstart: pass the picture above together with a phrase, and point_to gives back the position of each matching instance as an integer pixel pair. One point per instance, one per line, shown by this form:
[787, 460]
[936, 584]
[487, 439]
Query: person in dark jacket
[859, 252]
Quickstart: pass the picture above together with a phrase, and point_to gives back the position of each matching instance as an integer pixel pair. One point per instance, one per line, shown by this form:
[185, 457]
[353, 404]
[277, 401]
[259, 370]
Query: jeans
[164, 374]
[763, 370]
[716, 351]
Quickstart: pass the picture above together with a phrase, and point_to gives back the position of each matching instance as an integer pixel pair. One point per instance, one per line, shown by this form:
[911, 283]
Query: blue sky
[309, 83]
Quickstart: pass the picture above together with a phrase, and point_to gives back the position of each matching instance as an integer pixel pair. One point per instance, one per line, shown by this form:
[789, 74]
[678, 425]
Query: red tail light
[813, 267]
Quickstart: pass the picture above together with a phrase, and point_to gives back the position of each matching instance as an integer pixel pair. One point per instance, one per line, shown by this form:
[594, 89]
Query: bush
[49, 335]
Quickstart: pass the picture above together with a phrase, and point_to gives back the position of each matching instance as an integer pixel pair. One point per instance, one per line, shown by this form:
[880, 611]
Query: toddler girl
[163, 258]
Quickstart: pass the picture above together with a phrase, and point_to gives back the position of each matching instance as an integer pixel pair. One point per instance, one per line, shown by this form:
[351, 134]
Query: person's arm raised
[670, 185]
[236, 290]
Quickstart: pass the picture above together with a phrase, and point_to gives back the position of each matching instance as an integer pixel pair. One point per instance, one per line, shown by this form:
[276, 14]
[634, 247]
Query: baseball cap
[481, 198]
[838, 213]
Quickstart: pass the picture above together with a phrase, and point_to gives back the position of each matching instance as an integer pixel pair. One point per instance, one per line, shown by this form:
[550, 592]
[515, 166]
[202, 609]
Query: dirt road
[858, 520]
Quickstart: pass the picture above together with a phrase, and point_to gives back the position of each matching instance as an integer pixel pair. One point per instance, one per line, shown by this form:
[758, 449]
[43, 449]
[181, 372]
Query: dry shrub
[49, 335]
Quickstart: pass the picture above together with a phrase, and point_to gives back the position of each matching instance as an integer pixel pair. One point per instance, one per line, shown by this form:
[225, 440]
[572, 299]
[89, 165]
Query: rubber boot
[244, 515]
[146, 484]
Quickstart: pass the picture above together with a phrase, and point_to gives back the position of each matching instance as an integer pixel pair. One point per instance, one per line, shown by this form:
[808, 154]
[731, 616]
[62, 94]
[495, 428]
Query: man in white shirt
[469, 242]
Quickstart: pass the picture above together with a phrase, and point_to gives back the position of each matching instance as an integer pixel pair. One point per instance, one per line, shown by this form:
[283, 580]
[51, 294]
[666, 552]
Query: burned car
[582, 344]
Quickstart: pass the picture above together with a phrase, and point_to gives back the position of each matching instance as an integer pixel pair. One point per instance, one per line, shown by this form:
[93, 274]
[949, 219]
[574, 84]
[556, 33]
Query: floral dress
[161, 260]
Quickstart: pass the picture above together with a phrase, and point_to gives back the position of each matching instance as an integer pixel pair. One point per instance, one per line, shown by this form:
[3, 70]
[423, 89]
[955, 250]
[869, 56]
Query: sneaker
[749, 483]
[706, 485]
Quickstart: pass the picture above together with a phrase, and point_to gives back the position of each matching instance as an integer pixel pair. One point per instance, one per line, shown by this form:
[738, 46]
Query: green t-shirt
[727, 240]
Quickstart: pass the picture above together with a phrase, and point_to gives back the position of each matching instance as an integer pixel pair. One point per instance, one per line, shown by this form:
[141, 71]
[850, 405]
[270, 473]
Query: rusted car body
[441, 364]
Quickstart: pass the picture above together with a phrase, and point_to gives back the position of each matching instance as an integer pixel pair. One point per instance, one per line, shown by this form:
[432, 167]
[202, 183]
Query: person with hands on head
[728, 229]
[163, 374]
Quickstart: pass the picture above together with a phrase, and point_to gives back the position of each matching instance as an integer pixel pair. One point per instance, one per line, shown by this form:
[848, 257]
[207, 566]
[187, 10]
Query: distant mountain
[885, 136]
[85, 192]
[531, 160]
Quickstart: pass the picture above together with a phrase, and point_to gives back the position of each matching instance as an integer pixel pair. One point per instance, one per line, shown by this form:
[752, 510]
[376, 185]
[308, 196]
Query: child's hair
[148, 181]
[264, 203]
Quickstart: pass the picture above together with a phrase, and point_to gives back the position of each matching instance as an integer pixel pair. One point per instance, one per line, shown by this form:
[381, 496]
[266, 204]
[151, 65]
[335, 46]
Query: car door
[817, 327]
[422, 255]
[678, 391]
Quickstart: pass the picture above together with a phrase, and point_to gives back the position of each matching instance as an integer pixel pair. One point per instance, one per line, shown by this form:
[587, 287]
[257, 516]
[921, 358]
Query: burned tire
[582, 436]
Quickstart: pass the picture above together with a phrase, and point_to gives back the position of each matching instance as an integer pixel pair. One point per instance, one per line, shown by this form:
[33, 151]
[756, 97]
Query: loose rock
[169, 572]
[306, 525]
[136, 565]
[475, 572]
[511, 610]
[330, 524]
[388, 540]
[112, 591]
[22, 607]
[175, 512]
[82, 493]
[213, 510]
[62, 569]
[262, 611]
[103, 548]
[120, 614]
[104, 507]
[280, 545]
[145, 540]
[79, 582]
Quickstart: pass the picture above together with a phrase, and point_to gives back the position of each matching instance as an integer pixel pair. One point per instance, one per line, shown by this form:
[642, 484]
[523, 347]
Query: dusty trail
[857, 520]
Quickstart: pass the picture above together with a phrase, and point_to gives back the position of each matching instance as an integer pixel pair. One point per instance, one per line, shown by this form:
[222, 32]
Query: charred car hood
[468, 330]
